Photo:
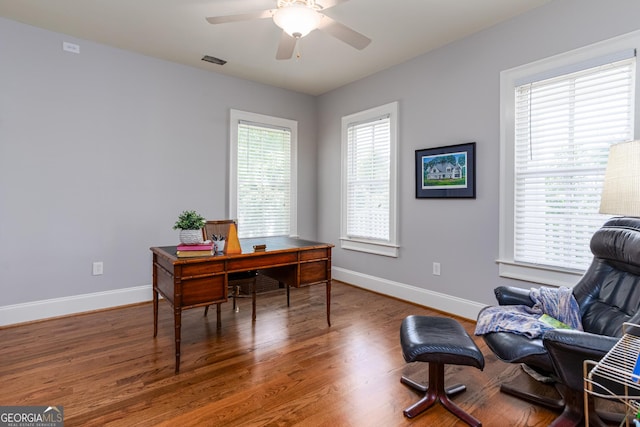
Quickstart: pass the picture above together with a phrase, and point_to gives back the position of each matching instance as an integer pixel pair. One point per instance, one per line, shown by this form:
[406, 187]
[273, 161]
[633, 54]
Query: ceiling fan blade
[326, 4]
[286, 46]
[241, 17]
[344, 33]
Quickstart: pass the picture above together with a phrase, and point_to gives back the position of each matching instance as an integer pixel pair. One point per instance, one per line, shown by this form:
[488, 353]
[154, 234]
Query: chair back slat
[218, 227]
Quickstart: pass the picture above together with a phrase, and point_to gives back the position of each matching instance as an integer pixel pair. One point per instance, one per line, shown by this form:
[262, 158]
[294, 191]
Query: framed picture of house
[446, 172]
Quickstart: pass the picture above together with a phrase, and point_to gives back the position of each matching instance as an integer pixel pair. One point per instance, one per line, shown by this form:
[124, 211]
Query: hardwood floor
[289, 368]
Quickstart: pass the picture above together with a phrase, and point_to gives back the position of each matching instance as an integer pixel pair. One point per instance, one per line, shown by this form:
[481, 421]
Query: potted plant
[190, 224]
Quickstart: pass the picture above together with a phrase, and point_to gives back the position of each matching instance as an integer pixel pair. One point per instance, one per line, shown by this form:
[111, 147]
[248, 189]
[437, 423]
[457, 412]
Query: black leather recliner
[608, 296]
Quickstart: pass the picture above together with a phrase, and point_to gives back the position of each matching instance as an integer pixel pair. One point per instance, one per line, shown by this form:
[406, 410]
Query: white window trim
[508, 80]
[391, 248]
[236, 116]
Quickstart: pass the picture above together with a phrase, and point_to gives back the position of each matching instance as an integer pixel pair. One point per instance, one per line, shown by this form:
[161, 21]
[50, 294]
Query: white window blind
[563, 129]
[368, 183]
[263, 180]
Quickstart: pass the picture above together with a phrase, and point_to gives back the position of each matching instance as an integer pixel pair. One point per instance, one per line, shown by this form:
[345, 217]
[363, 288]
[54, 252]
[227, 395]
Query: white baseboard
[44, 309]
[442, 302]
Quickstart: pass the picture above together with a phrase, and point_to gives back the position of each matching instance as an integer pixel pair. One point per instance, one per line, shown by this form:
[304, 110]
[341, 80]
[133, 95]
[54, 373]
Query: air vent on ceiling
[214, 60]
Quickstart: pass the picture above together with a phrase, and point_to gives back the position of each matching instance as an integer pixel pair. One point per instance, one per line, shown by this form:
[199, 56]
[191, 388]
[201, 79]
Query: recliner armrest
[511, 295]
[594, 344]
[569, 348]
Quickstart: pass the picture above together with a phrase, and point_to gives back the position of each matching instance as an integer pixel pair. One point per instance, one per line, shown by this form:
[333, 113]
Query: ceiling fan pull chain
[299, 49]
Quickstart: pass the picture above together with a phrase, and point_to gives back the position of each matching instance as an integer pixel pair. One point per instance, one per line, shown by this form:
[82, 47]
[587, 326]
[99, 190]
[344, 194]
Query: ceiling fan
[297, 18]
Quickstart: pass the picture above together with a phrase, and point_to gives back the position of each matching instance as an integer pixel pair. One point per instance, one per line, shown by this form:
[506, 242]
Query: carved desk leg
[155, 312]
[177, 319]
[329, 302]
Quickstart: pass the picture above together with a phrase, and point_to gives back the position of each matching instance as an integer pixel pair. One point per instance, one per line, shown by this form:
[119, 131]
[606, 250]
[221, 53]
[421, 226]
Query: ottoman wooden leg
[436, 393]
[452, 390]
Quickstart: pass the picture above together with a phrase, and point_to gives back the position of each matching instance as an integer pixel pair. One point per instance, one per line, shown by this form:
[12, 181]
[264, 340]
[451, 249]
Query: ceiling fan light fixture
[297, 20]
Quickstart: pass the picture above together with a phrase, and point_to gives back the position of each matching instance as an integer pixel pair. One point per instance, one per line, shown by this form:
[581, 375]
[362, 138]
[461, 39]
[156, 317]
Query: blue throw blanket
[523, 320]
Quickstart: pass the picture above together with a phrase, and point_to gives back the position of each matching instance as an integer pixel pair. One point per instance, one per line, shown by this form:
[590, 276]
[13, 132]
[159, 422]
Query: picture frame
[446, 172]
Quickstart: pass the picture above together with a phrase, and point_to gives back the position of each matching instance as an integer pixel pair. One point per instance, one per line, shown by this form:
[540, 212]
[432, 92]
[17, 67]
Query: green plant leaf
[189, 220]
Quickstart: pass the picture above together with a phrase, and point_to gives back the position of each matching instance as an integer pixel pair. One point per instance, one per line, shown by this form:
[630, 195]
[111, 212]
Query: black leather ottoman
[438, 341]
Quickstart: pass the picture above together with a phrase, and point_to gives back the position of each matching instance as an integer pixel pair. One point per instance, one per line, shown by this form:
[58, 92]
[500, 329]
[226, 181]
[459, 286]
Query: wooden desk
[198, 282]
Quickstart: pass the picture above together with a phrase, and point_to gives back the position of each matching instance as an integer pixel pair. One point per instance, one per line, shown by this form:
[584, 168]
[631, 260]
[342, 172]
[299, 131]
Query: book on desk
[201, 249]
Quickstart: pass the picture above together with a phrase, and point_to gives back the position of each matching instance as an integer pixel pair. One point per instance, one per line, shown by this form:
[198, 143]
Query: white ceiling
[176, 30]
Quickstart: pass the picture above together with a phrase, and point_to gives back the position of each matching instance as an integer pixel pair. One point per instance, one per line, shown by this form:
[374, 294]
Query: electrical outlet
[436, 268]
[98, 268]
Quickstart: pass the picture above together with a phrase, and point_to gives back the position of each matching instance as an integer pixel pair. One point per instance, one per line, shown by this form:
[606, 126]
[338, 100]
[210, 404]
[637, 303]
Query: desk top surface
[274, 244]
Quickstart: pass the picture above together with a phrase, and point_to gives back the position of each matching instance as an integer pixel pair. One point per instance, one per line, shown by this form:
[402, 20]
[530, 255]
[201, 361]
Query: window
[263, 175]
[559, 118]
[369, 177]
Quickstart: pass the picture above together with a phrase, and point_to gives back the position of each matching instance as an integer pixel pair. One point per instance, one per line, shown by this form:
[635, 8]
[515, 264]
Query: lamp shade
[621, 190]
[297, 20]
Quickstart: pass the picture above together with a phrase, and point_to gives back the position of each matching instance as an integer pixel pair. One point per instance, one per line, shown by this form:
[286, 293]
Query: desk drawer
[202, 290]
[201, 268]
[313, 272]
[258, 261]
[312, 254]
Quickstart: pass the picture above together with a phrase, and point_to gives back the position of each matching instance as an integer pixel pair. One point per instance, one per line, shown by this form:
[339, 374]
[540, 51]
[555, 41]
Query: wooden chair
[234, 280]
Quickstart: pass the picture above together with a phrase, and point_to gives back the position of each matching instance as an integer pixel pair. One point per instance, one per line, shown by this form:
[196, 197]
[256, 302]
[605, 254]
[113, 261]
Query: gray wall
[451, 96]
[99, 153]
